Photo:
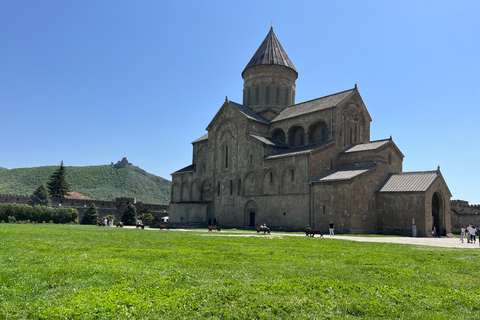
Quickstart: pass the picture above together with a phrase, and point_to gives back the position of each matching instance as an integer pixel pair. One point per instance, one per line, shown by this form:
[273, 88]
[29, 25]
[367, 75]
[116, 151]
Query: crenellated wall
[463, 214]
[104, 208]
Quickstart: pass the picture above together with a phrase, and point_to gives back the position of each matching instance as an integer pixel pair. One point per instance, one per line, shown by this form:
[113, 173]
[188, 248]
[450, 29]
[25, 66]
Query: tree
[91, 215]
[40, 196]
[58, 185]
[147, 218]
[129, 215]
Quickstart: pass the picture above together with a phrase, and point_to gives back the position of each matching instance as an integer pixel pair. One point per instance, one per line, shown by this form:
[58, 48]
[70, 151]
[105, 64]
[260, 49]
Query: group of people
[106, 222]
[470, 233]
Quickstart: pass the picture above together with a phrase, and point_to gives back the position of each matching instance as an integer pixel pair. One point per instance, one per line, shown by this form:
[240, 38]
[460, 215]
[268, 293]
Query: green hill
[99, 182]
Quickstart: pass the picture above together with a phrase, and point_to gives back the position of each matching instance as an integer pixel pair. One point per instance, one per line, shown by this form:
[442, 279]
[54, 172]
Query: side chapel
[286, 164]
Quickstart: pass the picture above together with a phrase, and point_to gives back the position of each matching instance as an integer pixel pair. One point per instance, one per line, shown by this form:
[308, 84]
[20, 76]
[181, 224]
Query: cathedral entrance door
[436, 213]
[252, 219]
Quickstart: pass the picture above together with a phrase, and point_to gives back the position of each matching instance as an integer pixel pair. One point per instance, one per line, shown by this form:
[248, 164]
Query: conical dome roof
[270, 52]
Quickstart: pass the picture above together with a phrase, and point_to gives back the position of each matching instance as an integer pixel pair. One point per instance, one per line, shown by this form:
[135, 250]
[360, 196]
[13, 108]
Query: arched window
[226, 156]
[317, 132]
[279, 135]
[296, 136]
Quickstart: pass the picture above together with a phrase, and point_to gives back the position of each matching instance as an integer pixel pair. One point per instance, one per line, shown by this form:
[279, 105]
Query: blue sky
[90, 82]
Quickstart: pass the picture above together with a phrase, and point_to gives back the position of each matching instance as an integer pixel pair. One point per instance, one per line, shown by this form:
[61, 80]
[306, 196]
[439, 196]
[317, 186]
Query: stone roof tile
[249, 113]
[202, 138]
[270, 52]
[341, 174]
[190, 168]
[298, 150]
[313, 105]
[372, 145]
[269, 141]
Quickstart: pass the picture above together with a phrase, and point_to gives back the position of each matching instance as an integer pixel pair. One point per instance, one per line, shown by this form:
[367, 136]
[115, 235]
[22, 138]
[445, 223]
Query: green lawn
[89, 272]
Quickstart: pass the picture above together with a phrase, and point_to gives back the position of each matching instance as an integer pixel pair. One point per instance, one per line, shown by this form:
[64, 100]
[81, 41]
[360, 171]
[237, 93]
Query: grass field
[88, 272]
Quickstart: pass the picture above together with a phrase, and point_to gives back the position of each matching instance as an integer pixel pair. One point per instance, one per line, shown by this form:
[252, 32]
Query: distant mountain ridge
[105, 182]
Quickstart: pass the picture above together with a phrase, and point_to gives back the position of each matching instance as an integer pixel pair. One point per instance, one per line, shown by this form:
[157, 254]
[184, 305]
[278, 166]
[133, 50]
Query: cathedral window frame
[226, 157]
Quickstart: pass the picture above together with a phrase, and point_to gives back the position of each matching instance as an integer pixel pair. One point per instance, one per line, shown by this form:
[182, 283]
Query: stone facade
[464, 214]
[291, 165]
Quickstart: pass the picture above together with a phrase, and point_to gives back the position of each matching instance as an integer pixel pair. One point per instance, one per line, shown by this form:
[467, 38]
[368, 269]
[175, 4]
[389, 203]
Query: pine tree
[58, 185]
[40, 196]
[91, 215]
[129, 215]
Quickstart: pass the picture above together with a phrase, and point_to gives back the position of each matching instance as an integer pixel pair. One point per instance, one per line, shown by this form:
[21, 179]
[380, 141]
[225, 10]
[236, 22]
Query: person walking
[462, 234]
[331, 228]
[473, 232]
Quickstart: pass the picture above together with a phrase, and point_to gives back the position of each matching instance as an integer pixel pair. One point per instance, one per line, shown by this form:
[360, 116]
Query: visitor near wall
[331, 227]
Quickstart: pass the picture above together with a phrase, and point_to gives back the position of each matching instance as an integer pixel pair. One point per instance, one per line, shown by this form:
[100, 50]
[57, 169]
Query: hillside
[105, 182]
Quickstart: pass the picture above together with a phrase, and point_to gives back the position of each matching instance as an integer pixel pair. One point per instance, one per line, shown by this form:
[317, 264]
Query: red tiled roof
[76, 195]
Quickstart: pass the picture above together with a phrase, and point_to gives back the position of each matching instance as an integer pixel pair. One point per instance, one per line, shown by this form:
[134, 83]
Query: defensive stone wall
[104, 208]
[463, 214]
[11, 198]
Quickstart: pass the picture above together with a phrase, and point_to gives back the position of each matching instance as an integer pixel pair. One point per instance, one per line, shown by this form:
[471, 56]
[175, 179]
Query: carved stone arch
[206, 190]
[318, 131]
[289, 180]
[251, 213]
[270, 182]
[251, 184]
[279, 134]
[226, 145]
[195, 189]
[438, 212]
[296, 135]
[226, 125]
[176, 192]
[352, 125]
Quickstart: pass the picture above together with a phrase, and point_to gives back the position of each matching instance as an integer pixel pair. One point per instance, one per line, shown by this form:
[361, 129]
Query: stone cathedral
[286, 164]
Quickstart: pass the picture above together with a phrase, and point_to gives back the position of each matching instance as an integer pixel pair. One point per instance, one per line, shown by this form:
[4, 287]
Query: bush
[37, 213]
[147, 218]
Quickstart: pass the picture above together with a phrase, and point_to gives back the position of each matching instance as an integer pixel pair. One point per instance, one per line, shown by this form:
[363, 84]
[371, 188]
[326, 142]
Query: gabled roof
[341, 174]
[313, 105]
[249, 113]
[268, 141]
[190, 168]
[244, 110]
[372, 145]
[298, 150]
[202, 138]
[270, 52]
[409, 181]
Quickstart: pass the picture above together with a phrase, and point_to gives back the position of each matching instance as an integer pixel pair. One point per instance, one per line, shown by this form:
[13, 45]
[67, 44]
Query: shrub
[37, 213]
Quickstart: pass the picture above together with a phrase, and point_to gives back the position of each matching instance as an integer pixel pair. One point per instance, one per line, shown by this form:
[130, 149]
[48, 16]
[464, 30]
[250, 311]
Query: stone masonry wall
[463, 214]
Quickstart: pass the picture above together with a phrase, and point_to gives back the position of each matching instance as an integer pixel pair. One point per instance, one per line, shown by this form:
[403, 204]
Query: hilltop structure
[270, 160]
